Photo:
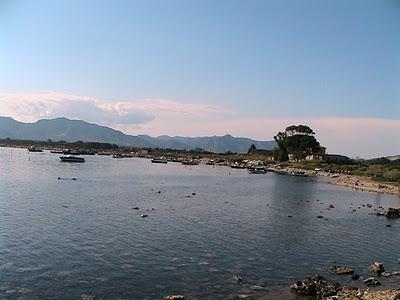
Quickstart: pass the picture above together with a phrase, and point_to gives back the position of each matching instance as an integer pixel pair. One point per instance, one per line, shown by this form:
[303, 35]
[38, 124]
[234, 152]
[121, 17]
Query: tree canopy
[297, 140]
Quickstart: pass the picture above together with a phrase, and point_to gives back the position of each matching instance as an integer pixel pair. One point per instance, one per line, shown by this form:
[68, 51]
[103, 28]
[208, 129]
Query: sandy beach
[360, 183]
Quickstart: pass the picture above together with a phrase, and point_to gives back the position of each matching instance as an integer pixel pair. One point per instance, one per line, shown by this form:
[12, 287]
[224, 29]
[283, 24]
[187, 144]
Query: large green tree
[298, 140]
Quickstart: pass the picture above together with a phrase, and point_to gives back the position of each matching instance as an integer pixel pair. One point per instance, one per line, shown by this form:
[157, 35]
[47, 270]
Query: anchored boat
[71, 158]
[34, 149]
[159, 160]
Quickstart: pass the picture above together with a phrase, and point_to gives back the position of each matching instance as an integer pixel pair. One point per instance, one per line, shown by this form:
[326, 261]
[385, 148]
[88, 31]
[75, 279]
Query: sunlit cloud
[29, 107]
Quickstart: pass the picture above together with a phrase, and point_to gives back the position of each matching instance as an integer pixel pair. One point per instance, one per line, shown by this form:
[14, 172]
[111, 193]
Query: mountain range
[63, 129]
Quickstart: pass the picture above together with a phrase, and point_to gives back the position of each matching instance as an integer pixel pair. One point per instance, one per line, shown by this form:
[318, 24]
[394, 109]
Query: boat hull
[72, 159]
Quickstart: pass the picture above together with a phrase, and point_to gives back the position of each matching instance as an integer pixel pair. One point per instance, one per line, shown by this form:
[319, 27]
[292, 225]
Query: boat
[34, 149]
[117, 156]
[71, 158]
[257, 170]
[237, 165]
[190, 162]
[299, 173]
[57, 151]
[211, 162]
[159, 160]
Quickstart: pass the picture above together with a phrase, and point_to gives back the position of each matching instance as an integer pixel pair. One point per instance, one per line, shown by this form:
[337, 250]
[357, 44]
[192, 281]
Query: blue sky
[231, 61]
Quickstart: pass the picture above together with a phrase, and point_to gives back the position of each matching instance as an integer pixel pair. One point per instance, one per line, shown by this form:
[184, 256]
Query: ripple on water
[235, 224]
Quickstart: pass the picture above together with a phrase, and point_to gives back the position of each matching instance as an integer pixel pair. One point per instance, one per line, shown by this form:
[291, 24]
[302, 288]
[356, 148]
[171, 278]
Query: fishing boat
[71, 158]
[211, 162]
[159, 160]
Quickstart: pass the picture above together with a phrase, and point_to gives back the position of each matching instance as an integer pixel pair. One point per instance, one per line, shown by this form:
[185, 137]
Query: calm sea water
[235, 224]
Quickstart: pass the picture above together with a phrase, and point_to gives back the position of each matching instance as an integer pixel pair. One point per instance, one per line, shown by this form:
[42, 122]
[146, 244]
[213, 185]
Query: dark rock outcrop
[377, 267]
[341, 270]
[316, 286]
[393, 213]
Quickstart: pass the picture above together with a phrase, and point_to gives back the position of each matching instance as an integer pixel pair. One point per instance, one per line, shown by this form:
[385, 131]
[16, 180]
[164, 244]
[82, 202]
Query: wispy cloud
[29, 107]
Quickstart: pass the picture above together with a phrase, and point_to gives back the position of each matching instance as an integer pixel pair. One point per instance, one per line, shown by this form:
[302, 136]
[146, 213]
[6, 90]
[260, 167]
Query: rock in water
[341, 270]
[393, 213]
[371, 281]
[316, 286]
[175, 297]
[377, 267]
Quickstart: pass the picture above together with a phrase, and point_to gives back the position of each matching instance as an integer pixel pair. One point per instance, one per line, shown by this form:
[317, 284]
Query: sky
[193, 68]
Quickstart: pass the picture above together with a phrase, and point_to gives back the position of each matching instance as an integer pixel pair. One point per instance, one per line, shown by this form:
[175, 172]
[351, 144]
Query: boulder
[341, 270]
[377, 267]
[175, 297]
[316, 286]
[393, 213]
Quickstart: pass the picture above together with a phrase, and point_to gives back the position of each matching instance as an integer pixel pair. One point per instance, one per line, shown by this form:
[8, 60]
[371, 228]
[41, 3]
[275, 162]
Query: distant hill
[63, 129]
[393, 157]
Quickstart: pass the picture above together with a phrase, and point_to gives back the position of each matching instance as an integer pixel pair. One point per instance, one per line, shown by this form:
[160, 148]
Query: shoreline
[356, 182]
[361, 183]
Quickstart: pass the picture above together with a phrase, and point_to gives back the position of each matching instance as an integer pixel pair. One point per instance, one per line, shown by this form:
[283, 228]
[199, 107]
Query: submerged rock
[316, 286]
[377, 267]
[341, 270]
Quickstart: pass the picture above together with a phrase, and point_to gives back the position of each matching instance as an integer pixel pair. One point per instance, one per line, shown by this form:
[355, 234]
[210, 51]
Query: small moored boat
[299, 173]
[257, 170]
[159, 161]
[191, 162]
[71, 158]
[34, 149]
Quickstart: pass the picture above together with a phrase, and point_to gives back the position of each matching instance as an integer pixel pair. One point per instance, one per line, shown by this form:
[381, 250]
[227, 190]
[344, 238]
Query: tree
[281, 141]
[298, 140]
[252, 149]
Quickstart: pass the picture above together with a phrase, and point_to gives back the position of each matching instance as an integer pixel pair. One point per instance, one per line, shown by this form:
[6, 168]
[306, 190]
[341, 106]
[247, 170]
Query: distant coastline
[336, 172]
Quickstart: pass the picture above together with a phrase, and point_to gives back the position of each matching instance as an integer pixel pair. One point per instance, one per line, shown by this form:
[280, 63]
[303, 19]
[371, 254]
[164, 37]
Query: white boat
[71, 158]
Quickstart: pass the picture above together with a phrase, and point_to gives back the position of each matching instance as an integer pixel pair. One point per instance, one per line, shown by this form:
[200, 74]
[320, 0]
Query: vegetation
[59, 144]
[298, 141]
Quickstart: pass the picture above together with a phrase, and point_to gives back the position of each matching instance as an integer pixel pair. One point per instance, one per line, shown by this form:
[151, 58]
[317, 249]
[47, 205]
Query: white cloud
[29, 107]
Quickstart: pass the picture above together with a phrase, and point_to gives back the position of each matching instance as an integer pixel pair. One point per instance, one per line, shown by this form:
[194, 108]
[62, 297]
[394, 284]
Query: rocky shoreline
[321, 288]
[359, 183]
